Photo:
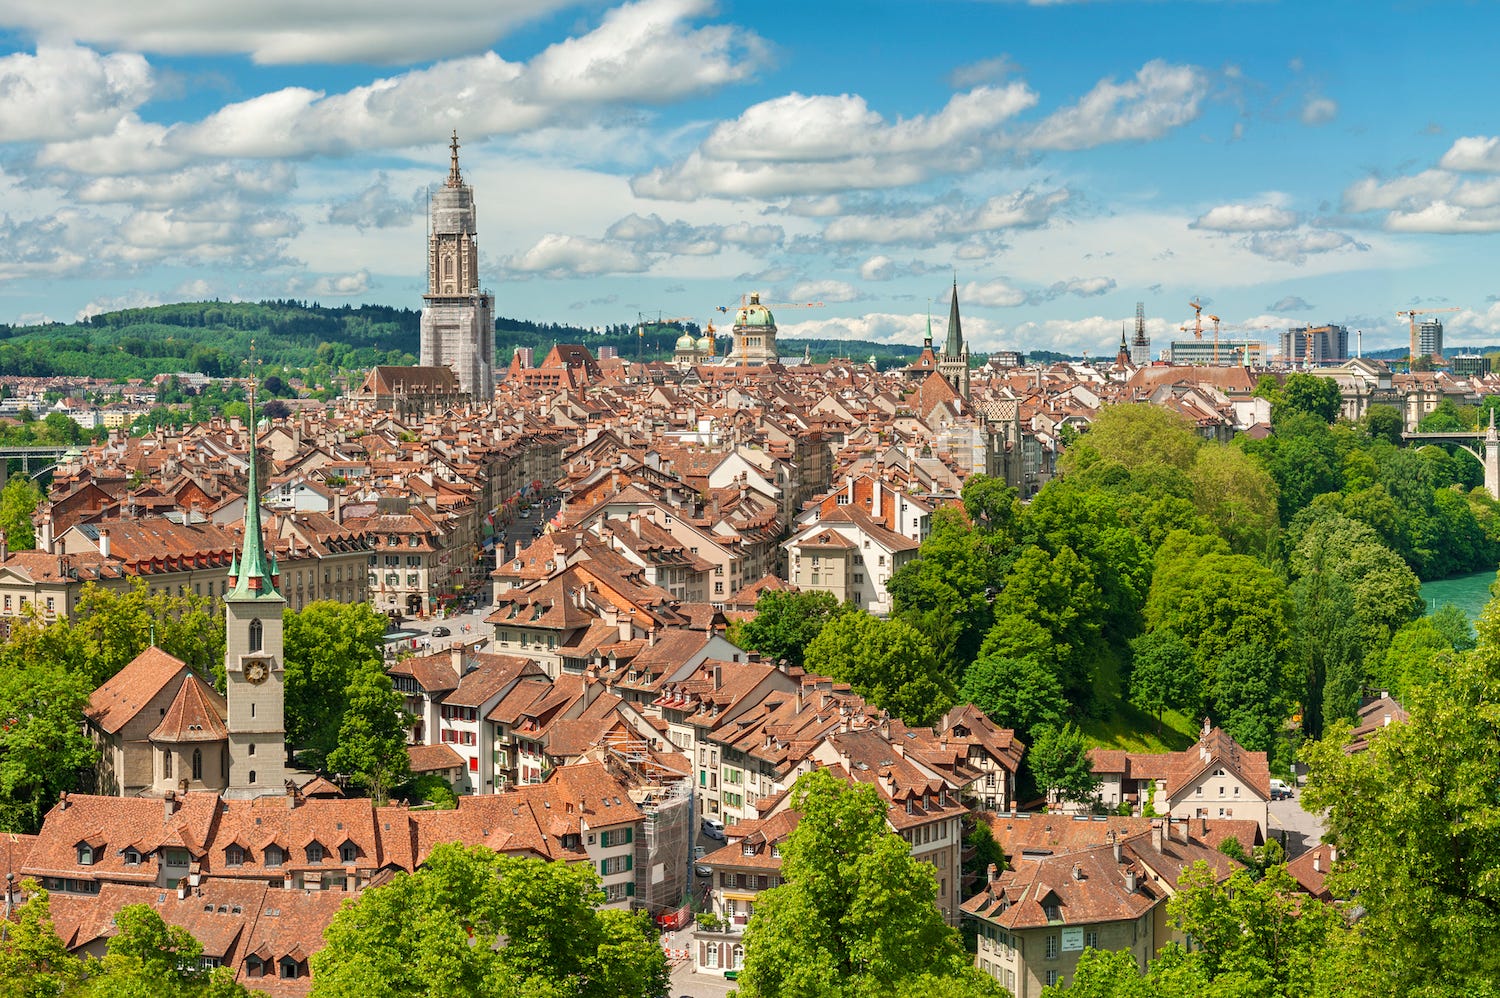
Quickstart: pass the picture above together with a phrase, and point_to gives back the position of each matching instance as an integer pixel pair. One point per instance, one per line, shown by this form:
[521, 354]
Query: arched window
[166, 763]
[252, 777]
[738, 957]
[257, 636]
[197, 764]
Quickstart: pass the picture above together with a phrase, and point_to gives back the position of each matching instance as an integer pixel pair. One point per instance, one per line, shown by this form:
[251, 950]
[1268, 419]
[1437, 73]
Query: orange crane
[1411, 314]
[1215, 320]
[1197, 308]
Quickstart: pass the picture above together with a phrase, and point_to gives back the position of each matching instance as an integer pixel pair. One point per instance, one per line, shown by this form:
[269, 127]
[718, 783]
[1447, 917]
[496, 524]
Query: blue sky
[1284, 162]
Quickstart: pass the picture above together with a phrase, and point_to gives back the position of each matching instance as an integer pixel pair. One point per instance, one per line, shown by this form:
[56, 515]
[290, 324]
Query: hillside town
[563, 550]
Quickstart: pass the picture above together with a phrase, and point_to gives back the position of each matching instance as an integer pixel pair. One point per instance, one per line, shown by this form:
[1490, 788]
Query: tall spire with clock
[458, 320]
[253, 666]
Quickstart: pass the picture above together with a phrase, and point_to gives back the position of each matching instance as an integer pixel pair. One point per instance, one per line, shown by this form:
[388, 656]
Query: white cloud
[284, 31]
[1373, 194]
[651, 233]
[1296, 246]
[1083, 287]
[996, 294]
[825, 290]
[878, 268]
[1319, 111]
[641, 51]
[1445, 217]
[333, 285]
[262, 183]
[1245, 218]
[1433, 201]
[1160, 98]
[1473, 154]
[799, 144]
[560, 256]
[375, 207]
[67, 92]
[131, 299]
[1290, 303]
[924, 225]
[983, 71]
[196, 289]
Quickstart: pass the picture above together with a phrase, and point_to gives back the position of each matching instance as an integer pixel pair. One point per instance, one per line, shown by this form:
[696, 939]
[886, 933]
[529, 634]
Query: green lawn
[1131, 729]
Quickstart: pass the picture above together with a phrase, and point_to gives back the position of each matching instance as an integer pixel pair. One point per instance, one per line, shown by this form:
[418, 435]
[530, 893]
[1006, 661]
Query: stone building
[458, 321]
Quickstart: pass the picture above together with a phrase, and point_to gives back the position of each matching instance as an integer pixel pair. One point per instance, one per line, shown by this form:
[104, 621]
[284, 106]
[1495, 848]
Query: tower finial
[454, 178]
[254, 575]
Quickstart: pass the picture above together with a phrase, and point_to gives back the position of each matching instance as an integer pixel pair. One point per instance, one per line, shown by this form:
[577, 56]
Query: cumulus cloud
[996, 294]
[1319, 111]
[1083, 287]
[1296, 246]
[984, 71]
[1290, 303]
[651, 233]
[131, 299]
[1445, 217]
[261, 183]
[1160, 98]
[375, 207]
[933, 222]
[558, 256]
[334, 285]
[1473, 154]
[878, 268]
[801, 144]
[641, 52]
[1433, 201]
[67, 92]
[824, 290]
[284, 31]
[1245, 218]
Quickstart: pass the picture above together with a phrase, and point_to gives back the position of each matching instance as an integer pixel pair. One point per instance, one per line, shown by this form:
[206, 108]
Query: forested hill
[213, 338]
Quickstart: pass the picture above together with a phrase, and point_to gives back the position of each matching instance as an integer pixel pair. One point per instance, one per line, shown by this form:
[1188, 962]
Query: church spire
[955, 345]
[253, 575]
[454, 178]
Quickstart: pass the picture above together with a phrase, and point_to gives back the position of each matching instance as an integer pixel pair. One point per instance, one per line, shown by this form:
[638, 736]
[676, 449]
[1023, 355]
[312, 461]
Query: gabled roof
[197, 714]
[114, 704]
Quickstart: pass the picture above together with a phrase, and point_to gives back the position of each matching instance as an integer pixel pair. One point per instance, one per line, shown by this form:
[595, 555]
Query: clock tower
[253, 668]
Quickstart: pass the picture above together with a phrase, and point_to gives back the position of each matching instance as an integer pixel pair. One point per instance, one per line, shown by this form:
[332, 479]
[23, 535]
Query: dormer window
[315, 852]
[274, 856]
[746, 849]
[85, 854]
[132, 857]
[234, 856]
[257, 635]
[1054, 914]
[348, 852]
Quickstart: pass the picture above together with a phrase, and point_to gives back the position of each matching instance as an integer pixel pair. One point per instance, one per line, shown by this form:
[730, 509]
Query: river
[1467, 592]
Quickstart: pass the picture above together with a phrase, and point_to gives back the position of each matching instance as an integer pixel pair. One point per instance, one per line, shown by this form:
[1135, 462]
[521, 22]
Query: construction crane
[1197, 307]
[1215, 320]
[1411, 314]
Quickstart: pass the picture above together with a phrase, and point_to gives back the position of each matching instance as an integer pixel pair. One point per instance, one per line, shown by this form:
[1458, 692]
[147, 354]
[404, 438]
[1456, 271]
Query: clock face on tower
[256, 672]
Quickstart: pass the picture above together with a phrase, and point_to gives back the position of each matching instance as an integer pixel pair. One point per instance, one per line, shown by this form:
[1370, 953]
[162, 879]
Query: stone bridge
[1487, 454]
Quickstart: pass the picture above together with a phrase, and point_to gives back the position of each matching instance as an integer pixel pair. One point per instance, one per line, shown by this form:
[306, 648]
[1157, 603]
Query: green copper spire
[955, 344]
[254, 576]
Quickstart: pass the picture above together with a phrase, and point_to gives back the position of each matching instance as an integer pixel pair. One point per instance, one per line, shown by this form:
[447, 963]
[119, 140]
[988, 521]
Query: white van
[713, 828]
[1280, 790]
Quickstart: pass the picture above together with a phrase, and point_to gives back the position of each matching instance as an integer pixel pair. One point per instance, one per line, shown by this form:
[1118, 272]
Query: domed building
[685, 353]
[754, 335]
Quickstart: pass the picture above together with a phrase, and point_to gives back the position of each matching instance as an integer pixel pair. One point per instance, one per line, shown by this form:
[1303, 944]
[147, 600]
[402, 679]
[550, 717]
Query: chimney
[456, 654]
[4, 546]
[1114, 841]
[1130, 881]
[1317, 862]
[169, 805]
[990, 873]
[1077, 871]
[1157, 834]
[62, 801]
[104, 544]
[1181, 826]
[182, 886]
[718, 677]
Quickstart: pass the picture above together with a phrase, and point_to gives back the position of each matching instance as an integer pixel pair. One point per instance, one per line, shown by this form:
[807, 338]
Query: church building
[458, 321]
[160, 727]
[953, 360]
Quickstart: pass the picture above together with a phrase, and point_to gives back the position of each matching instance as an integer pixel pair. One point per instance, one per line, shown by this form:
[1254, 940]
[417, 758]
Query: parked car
[1280, 790]
[440, 631]
[713, 828]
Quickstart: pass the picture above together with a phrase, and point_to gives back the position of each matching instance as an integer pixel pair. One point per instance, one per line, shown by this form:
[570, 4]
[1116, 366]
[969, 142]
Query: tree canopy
[888, 662]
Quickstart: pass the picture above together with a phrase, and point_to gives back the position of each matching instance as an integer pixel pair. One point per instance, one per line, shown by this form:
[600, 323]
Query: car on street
[713, 828]
[1280, 790]
[440, 631]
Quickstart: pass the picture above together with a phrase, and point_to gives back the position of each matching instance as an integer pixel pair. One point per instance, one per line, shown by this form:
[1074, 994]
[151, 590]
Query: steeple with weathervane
[953, 361]
[253, 665]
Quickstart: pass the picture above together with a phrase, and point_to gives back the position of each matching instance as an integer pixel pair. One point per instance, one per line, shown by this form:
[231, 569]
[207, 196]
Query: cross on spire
[454, 178]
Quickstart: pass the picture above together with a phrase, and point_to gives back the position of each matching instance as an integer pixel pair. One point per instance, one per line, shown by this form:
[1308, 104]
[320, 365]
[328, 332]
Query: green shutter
[629, 835]
[603, 868]
[629, 862]
[630, 889]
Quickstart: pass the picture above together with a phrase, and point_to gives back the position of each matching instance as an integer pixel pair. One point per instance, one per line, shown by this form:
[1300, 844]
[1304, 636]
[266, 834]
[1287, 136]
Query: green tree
[326, 645]
[1310, 394]
[371, 747]
[115, 626]
[42, 742]
[148, 957]
[1057, 594]
[1237, 495]
[888, 662]
[1248, 695]
[1135, 436]
[1163, 676]
[1019, 693]
[1410, 659]
[785, 623]
[1414, 817]
[855, 914]
[34, 963]
[18, 500]
[1385, 422]
[1059, 759]
[471, 922]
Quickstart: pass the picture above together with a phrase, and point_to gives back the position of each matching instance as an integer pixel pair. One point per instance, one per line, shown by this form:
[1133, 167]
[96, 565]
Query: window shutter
[629, 835]
[630, 889]
[604, 868]
[629, 862]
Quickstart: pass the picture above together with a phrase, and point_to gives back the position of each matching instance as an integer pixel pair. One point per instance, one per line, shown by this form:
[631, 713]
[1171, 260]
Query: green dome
[706, 344]
[754, 314]
[685, 342]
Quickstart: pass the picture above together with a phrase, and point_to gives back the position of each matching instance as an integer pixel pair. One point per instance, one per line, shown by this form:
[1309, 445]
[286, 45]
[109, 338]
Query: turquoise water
[1467, 592]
